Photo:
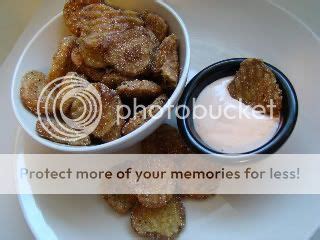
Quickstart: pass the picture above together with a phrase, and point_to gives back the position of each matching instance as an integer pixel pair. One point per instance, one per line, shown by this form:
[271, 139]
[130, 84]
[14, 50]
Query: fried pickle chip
[144, 115]
[55, 133]
[91, 51]
[113, 79]
[166, 61]
[101, 18]
[94, 75]
[32, 86]
[170, 139]
[154, 200]
[159, 223]
[61, 62]
[140, 89]
[129, 52]
[71, 13]
[110, 120]
[121, 203]
[156, 24]
[256, 85]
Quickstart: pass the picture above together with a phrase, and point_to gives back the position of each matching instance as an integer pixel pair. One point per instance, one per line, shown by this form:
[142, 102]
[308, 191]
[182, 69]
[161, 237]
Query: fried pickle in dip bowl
[154, 24]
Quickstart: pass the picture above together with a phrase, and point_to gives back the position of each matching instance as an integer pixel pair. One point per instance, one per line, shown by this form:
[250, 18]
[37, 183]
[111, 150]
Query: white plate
[219, 30]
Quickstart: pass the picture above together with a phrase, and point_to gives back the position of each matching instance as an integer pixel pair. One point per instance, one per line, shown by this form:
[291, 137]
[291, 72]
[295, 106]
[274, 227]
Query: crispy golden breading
[91, 52]
[61, 62]
[59, 138]
[159, 223]
[129, 52]
[69, 78]
[140, 89]
[256, 85]
[154, 200]
[113, 79]
[32, 85]
[170, 139]
[71, 13]
[109, 120]
[104, 19]
[121, 203]
[156, 24]
[145, 115]
[94, 75]
[166, 61]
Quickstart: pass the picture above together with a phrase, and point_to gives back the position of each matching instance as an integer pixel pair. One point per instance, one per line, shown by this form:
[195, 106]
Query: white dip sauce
[229, 125]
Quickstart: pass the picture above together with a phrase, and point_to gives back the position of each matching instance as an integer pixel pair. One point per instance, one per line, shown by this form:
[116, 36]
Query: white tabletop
[12, 223]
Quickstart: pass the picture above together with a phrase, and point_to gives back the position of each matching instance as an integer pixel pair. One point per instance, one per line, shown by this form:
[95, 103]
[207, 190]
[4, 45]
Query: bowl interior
[38, 55]
[229, 68]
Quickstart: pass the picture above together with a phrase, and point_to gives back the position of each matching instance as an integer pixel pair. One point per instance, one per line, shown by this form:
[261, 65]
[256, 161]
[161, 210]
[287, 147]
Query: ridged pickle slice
[256, 85]
[121, 203]
[159, 223]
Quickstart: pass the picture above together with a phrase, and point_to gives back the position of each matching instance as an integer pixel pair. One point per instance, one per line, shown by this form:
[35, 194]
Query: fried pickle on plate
[170, 139]
[121, 203]
[32, 85]
[139, 89]
[166, 62]
[144, 115]
[154, 200]
[61, 61]
[256, 85]
[159, 223]
[71, 13]
[130, 52]
[56, 133]
[156, 24]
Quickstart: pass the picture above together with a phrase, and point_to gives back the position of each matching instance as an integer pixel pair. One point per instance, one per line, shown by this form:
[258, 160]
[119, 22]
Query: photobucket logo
[58, 96]
[236, 110]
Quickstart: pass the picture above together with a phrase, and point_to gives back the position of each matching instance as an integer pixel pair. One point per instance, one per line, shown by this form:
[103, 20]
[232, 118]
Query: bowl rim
[283, 133]
[110, 145]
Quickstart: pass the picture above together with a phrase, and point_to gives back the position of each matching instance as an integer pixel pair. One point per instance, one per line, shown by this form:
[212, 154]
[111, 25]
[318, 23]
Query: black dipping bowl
[227, 68]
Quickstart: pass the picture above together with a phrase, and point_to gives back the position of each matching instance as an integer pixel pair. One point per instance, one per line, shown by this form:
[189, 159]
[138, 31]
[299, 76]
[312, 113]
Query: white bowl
[38, 54]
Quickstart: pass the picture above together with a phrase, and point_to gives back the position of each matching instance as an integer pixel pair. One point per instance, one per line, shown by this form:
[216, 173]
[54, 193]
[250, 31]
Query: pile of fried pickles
[157, 216]
[124, 54]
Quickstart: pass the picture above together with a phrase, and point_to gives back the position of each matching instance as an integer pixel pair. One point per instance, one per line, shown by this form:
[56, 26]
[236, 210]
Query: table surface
[29, 16]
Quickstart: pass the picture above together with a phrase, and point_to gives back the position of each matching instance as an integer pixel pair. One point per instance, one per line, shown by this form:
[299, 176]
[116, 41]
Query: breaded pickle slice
[159, 223]
[61, 61]
[55, 133]
[121, 203]
[145, 115]
[166, 62]
[156, 24]
[256, 85]
[140, 89]
[130, 52]
[154, 200]
[170, 139]
[114, 79]
[32, 85]
[71, 13]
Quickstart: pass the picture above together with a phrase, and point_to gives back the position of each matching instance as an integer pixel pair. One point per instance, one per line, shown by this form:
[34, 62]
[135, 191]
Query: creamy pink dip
[227, 125]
